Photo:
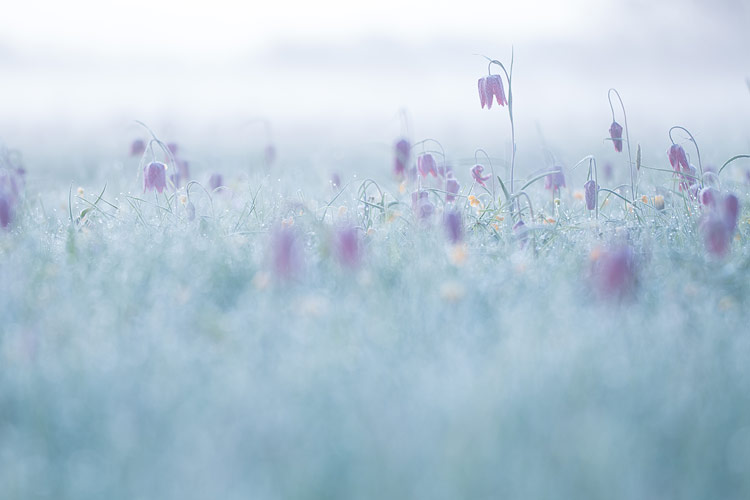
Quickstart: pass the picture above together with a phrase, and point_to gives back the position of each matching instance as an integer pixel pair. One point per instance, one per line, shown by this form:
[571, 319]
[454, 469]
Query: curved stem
[627, 135]
[692, 139]
[492, 169]
[733, 158]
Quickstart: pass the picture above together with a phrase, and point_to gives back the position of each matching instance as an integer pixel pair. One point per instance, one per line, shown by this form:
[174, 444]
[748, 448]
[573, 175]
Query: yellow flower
[183, 199]
[659, 202]
[474, 201]
[458, 254]
[80, 191]
[549, 220]
[644, 199]
[578, 195]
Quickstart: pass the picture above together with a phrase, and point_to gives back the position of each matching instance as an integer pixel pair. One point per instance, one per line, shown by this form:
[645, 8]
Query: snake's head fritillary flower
[348, 246]
[708, 196]
[731, 211]
[489, 87]
[335, 180]
[716, 235]
[426, 165]
[138, 147]
[555, 179]
[476, 173]
[678, 158]
[451, 187]
[215, 181]
[6, 210]
[454, 226]
[589, 191]
[286, 252]
[402, 150]
[614, 272]
[155, 177]
[615, 132]
[422, 206]
[190, 209]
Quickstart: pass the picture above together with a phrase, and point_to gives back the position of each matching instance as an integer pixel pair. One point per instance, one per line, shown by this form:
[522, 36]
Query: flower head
[286, 254]
[451, 187]
[269, 154]
[401, 157]
[476, 173]
[426, 165]
[678, 158]
[489, 87]
[138, 147]
[6, 210]
[155, 176]
[589, 190]
[454, 227]
[422, 206]
[555, 179]
[215, 181]
[348, 246]
[615, 132]
[613, 272]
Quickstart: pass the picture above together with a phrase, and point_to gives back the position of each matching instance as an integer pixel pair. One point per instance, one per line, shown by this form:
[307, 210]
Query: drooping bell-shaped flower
[731, 211]
[426, 165]
[451, 187]
[286, 252]
[489, 87]
[6, 210]
[422, 206]
[476, 173]
[589, 191]
[348, 246]
[708, 196]
[138, 147]
[555, 179]
[155, 177]
[402, 150]
[454, 226]
[678, 158]
[215, 181]
[615, 132]
[614, 272]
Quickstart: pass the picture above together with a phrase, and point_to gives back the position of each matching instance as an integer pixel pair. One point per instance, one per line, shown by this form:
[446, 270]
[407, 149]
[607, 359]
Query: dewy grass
[406, 333]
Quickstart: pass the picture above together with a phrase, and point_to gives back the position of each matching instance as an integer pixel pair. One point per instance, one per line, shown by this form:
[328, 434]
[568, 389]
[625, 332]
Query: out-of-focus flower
[422, 206]
[474, 201]
[402, 148]
[589, 189]
[555, 179]
[138, 147]
[190, 209]
[286, 254]
[335, 180]
[707, 196]
[521, 230]
[731, 211]
[269, 155]
[215, 181]
[348, 246]
[719, 224]
[614, 272]
[489, 87]
[426, 165]
[454, 226]
[607, 171]
[659, 202]
[452, 291]
[451, 187]
[678, 158]
[173, 147]
[615, 132]
[155, 177]
[476, 173]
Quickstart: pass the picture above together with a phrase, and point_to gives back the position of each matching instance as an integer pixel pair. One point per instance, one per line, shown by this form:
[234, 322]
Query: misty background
[332, 76]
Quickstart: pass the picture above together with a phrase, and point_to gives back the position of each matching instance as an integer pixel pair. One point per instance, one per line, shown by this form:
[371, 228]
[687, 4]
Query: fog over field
[288, 250]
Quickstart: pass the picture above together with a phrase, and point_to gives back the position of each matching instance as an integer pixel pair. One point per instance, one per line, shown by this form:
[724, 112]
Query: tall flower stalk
[627, 136]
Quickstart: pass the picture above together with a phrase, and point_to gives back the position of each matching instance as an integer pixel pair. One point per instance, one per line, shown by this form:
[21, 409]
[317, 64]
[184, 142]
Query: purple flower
[401, 157]
[521, 231]
[215, 181]
[489, 87]
[716, 235]
[426, 165]
[708, 196]
[614, 273]
[678, 158]
[6, 210]
[451, 187]
[615, 132]
[138, 147]
[154, 177]
[589, 191]
[422, 206]
[335, 180]
[347, 246]
[555, 180]
[476, 173]
[286, 254]
[454, 226]
[269, 154]
[173, 147]
[731, 211]
[608, 171]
